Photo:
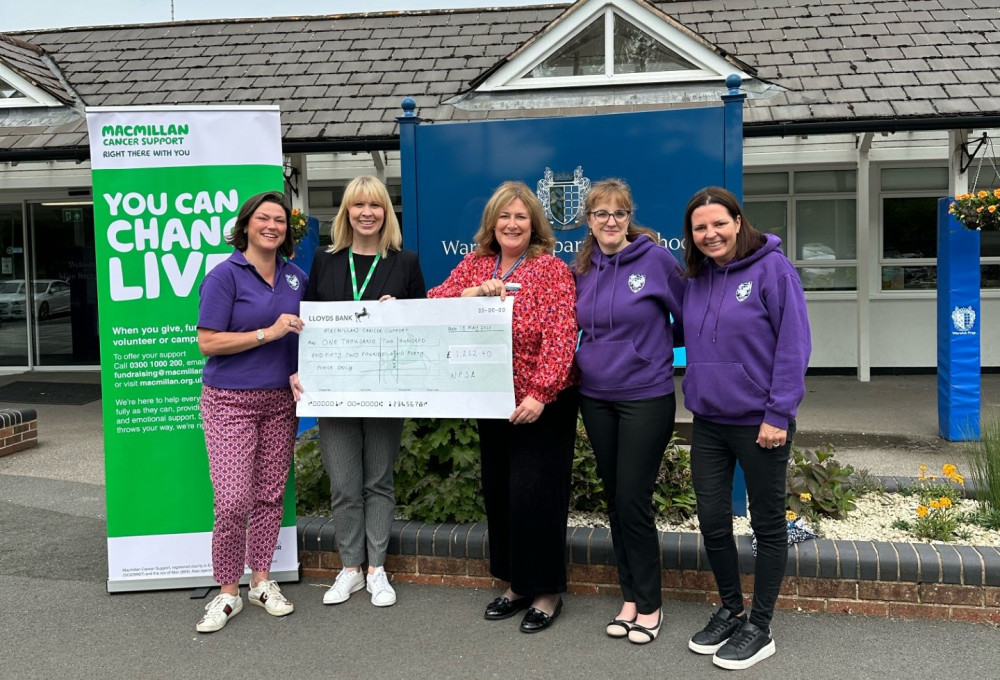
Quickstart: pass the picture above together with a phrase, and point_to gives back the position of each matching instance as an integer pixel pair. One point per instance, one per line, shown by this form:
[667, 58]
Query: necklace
[354, 277]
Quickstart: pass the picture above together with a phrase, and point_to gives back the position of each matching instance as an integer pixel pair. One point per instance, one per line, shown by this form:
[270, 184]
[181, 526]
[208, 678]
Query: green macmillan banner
[168, 183]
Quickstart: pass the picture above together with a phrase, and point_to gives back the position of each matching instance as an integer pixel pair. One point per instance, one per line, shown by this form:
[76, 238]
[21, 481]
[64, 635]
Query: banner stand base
[198, 582]
[200, 593]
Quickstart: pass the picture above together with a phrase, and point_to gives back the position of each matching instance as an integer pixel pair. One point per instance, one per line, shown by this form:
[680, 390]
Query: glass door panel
[13, 293]
[63, 295]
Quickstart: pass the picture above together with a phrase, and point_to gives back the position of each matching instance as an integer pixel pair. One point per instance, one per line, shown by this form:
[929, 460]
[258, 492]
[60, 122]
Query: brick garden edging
[875, 578]
[18, 430]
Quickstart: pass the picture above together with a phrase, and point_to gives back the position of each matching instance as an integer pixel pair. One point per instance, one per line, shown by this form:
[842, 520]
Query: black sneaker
[719, 629]
[746, 647]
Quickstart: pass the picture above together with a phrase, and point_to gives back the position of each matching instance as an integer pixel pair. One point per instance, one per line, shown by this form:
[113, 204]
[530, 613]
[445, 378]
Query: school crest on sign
[562, 195]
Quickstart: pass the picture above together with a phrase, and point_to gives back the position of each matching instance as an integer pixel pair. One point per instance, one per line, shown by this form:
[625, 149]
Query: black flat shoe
[536, 620]
[619, 628]
[504, 608]
[641, 635]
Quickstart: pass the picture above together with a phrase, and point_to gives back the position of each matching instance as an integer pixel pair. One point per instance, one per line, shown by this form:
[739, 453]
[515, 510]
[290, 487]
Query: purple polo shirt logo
[293, 281]
[743, 291]
[636, 282]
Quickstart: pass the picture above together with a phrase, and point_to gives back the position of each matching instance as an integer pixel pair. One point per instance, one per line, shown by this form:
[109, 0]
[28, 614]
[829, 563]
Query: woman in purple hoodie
[748, 343]
[627, 289]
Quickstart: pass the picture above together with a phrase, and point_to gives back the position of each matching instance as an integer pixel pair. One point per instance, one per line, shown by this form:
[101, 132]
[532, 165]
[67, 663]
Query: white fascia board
[33, 95]
[710, 66]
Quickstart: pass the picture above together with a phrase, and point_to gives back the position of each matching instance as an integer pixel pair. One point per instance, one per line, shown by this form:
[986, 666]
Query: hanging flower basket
[979, 211]
[298, 225]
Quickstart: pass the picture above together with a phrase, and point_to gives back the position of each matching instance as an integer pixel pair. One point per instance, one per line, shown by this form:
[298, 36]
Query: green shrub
[817, 485]
[984, 466]
[312, 486]
[437, 474]
[438, 479]
[673, 495]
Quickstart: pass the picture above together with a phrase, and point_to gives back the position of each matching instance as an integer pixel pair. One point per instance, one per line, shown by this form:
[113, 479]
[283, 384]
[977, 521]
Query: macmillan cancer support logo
[963, 320]
[562, 195]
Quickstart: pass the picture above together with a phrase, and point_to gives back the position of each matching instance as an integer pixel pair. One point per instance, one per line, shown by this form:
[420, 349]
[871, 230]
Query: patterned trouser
[250, 436]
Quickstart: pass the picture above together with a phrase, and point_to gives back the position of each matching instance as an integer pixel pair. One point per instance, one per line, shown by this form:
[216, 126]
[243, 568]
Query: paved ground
[58, 621]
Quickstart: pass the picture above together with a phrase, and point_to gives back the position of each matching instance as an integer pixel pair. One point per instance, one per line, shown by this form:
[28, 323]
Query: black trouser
[526, 482]
[629, 438]
[715, 449]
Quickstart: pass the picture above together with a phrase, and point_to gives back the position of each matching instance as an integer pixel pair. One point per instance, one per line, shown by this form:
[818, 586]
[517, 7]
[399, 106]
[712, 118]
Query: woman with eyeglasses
[629, 293]
[527, 459]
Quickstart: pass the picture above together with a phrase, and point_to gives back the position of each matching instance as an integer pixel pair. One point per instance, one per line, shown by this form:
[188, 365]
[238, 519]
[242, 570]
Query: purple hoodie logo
[743, 291]
[636, 282]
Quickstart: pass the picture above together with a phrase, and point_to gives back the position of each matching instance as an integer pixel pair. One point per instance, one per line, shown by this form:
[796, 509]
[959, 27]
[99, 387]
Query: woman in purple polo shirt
[248, 328]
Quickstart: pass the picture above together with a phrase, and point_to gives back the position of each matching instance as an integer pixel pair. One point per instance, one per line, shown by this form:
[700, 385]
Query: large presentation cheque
[441, 358]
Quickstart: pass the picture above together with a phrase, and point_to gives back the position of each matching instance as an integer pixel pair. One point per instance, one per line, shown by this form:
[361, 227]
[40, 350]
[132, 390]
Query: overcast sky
[17, 15]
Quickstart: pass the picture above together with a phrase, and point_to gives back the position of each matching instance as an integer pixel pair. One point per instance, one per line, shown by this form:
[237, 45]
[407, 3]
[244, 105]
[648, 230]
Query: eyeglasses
[604, 215]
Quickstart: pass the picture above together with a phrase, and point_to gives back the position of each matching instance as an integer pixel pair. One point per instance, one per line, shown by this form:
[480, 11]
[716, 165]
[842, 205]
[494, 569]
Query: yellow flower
[790, 516]
[958, 479]
[979, 209]
[921, 511]
[996, 193]
[992, 208]
[805, 497]
[944, 502]
[921, 478]
[948, 470]
[982, 194]
[935, 504]
[923, 468]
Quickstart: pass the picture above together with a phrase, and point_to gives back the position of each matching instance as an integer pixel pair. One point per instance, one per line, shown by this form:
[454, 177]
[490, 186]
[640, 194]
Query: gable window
[632, 51]
[8, 91]
[612, 42]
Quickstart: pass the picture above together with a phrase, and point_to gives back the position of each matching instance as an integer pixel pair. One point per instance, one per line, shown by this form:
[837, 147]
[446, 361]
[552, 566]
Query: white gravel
[871, 520]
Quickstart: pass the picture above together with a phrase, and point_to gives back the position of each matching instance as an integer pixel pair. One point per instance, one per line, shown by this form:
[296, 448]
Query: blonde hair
[365, 187]
[542, 238]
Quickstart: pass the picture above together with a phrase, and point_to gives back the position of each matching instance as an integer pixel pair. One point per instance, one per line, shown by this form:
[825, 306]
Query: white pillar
[867, 258]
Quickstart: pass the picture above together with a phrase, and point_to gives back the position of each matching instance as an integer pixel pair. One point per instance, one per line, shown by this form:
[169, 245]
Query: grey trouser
[359, 455]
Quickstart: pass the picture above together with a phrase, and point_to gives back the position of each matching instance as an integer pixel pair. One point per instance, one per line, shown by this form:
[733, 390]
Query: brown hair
[542, 238]
[613, 190]
[370, 188]
[238, 238]
[748, 239]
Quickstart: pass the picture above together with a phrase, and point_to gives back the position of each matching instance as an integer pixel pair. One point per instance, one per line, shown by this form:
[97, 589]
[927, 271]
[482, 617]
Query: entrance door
[13, 292]
[62, 298]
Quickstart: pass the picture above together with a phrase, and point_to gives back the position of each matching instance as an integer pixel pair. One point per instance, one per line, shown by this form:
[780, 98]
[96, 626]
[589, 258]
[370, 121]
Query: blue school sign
[450, 170]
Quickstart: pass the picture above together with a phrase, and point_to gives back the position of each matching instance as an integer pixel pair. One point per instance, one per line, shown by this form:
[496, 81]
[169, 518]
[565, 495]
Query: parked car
[51, 297]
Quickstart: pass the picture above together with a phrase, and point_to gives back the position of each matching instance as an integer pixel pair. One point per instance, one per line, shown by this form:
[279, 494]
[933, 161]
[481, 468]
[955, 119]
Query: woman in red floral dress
[526, 460]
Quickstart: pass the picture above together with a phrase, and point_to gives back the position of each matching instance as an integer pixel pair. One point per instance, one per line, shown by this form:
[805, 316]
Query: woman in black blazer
[365, 262]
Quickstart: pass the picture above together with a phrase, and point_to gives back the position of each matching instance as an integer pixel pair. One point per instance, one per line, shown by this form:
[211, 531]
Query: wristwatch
[260, 336]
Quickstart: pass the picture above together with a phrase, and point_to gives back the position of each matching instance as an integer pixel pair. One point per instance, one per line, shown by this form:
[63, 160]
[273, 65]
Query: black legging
[629, 438]
[715, 449]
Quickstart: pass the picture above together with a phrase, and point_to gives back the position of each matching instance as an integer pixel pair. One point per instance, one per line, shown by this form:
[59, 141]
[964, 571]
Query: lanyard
[354, 278]
[496, 267]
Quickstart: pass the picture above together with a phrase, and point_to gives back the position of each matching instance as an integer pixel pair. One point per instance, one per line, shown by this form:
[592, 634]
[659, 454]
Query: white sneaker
[268, 595]
[347, 582]
[218, 612]
[378, 585]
